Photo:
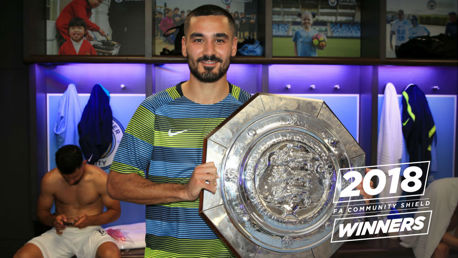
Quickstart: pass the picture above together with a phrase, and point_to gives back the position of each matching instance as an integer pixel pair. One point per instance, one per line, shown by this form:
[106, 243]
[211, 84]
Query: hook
[312, 86]
[436, 88]
[288, 86]
[337, 87]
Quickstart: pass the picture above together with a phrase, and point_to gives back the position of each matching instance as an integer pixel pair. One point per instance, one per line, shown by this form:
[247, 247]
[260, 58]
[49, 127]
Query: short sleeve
[136, 147]
[393, 26]
[296, 36]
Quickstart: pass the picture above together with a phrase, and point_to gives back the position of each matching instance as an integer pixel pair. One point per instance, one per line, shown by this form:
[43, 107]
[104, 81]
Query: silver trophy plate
[278, 159]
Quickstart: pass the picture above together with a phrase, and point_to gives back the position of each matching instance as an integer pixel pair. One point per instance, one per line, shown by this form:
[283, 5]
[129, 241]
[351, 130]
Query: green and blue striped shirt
[166, 133]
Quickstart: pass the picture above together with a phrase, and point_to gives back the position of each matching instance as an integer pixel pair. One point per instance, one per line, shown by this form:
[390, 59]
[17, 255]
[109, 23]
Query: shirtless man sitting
[79, 193]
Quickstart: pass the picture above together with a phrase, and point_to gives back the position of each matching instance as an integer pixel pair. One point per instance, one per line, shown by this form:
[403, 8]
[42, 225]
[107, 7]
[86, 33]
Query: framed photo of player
[421, 29]
[169, 16]
[316, 28]
[95, 27]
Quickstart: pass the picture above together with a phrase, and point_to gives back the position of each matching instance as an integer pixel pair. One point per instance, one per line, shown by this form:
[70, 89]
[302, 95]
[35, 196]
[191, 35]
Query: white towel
[443, 196]
[390, 138]
[68, 117]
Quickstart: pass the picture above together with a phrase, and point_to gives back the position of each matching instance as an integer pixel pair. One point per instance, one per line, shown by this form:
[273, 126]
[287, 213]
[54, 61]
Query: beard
[208, 75]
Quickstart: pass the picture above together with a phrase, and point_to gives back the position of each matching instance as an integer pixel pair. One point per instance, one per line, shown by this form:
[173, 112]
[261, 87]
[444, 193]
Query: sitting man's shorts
[73, 241]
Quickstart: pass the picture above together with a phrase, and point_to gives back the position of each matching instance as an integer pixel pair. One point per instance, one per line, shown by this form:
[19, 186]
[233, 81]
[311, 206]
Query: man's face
[400, 15]
[209, 44]
[76, 33]
[95, 3]
[75, 177]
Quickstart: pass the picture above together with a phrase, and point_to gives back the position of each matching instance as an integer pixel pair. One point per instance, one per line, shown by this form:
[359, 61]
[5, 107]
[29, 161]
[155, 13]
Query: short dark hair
[207, 10]
[68, 159]
[77, 21]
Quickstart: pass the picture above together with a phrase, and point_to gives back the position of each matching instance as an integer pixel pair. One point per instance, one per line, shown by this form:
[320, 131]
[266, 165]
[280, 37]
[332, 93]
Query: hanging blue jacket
[95, 127]
[417, 124]
[418, 127]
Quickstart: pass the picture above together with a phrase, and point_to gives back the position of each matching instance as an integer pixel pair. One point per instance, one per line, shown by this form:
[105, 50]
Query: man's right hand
[203, 177]
[59, 223]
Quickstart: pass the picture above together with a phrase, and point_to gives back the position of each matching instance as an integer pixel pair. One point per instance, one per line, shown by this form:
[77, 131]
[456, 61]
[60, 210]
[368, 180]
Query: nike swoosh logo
[175, 133]
[404, 124]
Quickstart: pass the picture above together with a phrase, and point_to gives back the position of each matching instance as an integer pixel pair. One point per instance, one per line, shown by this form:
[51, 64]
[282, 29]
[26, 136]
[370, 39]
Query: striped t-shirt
[167, 132]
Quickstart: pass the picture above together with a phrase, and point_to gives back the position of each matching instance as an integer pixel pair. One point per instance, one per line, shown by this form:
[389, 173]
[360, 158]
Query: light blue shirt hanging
[68, 117]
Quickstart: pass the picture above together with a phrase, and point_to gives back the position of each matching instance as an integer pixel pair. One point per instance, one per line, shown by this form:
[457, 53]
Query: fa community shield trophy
[278, 159]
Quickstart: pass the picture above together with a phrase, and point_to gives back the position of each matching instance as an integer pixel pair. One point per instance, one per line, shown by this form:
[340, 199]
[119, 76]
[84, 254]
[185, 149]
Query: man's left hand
[82, 221]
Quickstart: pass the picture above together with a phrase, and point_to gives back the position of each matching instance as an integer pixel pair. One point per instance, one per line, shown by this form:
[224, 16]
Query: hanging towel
[417, 126]
[95, 127]
[443, 196]
[389, 145]
[68, 116]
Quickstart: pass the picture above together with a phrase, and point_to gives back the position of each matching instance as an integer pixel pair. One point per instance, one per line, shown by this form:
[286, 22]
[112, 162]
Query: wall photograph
[170, 15]
[421, 29]
[94, 27]
[316, 28]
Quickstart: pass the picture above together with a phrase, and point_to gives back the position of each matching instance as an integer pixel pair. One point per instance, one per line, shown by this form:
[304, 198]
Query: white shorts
[73, 241]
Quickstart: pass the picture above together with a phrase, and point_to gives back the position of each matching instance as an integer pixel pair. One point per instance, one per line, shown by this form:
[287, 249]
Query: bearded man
[158, 162]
